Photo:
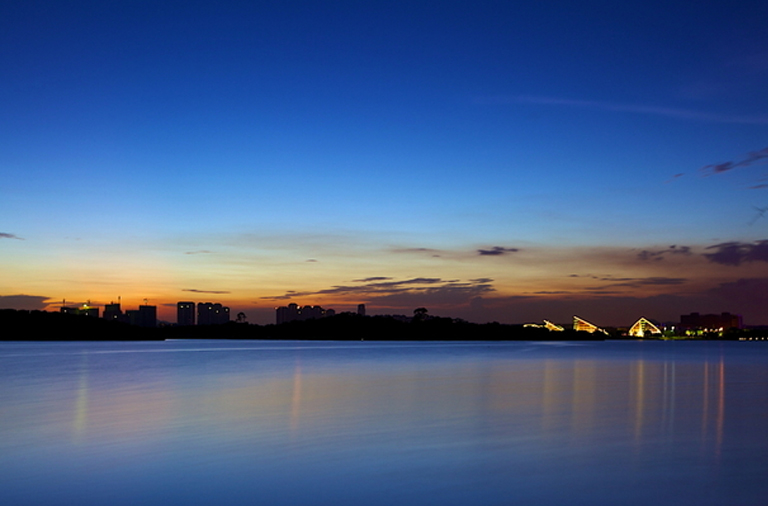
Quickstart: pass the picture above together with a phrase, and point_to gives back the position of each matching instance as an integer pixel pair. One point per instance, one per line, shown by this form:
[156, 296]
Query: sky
[492, 161]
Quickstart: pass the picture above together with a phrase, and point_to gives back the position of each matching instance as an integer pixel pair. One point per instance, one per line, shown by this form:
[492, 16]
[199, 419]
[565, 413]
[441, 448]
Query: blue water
[277, 423]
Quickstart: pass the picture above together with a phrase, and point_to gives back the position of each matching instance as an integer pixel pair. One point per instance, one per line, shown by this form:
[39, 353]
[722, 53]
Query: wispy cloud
[670, 112]
[4, 235]
[496, 250]
[433, 252]
[752, 158]
[198, 252]
[215, 292]
[657, 255]
[639, 282]
[676, 176]
[736, 253]
[380, 286]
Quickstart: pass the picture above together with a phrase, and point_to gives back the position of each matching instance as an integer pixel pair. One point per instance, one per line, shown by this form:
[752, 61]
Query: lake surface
[365, 423]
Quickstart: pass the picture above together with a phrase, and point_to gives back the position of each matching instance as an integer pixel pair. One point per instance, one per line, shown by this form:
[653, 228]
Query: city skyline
[490, 161]
[189, 313]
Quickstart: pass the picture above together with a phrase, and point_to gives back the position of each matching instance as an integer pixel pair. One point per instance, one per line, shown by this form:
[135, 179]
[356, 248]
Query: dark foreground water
[307, 423]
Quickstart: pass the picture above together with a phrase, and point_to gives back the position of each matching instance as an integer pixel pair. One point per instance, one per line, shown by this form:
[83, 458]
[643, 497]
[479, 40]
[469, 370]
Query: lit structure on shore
[546, 325]
[582, 325]
[702, 323]
[86, 309]
[643, 327]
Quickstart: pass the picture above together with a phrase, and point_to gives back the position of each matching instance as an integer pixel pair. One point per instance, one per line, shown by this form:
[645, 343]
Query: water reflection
[382, 424]
[79, 423]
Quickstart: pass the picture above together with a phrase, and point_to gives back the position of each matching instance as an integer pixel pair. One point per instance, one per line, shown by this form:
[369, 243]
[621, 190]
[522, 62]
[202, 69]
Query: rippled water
[274, 423]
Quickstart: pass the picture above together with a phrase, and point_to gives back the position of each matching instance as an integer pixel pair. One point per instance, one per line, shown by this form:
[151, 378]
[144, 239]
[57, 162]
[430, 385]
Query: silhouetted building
[710, 322]
[293, 312]
[361, 309]
[113, 312]
[185, 313]
[209, 313]
[85, 310]
[145, 316]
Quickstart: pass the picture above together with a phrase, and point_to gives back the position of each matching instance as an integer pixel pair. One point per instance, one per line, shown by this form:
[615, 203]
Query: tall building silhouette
[209, 313]
[145, 316]
[722, 321]
[292, 312]
[113, 312]
[185, 313]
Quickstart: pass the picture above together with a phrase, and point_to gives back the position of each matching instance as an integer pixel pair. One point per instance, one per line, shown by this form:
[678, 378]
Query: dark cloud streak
[29, 302]
[375, 288]
[736, 253]
[647, 255]
[496, 250]
[751, 159]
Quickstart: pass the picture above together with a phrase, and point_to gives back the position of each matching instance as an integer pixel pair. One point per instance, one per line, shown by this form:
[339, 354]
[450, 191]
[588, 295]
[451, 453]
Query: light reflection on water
[378, 423]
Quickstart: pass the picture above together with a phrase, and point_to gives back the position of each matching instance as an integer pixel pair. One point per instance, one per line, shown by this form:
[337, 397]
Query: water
[277, 423]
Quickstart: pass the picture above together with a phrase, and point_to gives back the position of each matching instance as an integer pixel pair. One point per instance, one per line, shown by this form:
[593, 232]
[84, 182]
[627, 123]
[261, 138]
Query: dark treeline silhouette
[21, 325]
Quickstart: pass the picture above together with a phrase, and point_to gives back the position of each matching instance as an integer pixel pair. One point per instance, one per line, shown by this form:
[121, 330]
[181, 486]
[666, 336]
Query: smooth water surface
[277, 423]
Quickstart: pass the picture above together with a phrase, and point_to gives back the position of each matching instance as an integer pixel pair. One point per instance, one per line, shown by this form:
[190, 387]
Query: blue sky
[250, 150]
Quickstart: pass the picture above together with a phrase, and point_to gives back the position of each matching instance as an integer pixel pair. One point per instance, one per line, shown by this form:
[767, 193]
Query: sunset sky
[506, 161]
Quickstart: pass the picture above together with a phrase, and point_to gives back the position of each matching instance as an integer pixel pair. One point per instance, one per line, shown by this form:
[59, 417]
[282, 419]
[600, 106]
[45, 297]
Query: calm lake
[367, 423]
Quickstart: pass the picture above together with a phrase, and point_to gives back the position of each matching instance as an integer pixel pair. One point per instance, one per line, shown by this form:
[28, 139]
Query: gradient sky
[506, 161]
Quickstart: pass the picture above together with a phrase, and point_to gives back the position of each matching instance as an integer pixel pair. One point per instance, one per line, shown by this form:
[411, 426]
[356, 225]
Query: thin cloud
[29, 302]
[377, 287]
[193, 290]
[198, 252]
[676, 176]
[639, 282]
[736, 253]
[4, 235]
[760, 214]
[752, 158]
[416, 250]
[496, 250]
[368, 280]
[648, 255]
[669, 112]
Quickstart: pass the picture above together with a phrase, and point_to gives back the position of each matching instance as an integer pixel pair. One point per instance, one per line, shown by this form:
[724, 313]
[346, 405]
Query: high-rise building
[361, 309]
[147, 316]
[293, 312]
[209, 313]
[711, 322]
[113, 312]
[185, 313]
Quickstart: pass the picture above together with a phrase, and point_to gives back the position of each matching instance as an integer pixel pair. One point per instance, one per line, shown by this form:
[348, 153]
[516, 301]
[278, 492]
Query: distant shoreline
[22, 325]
